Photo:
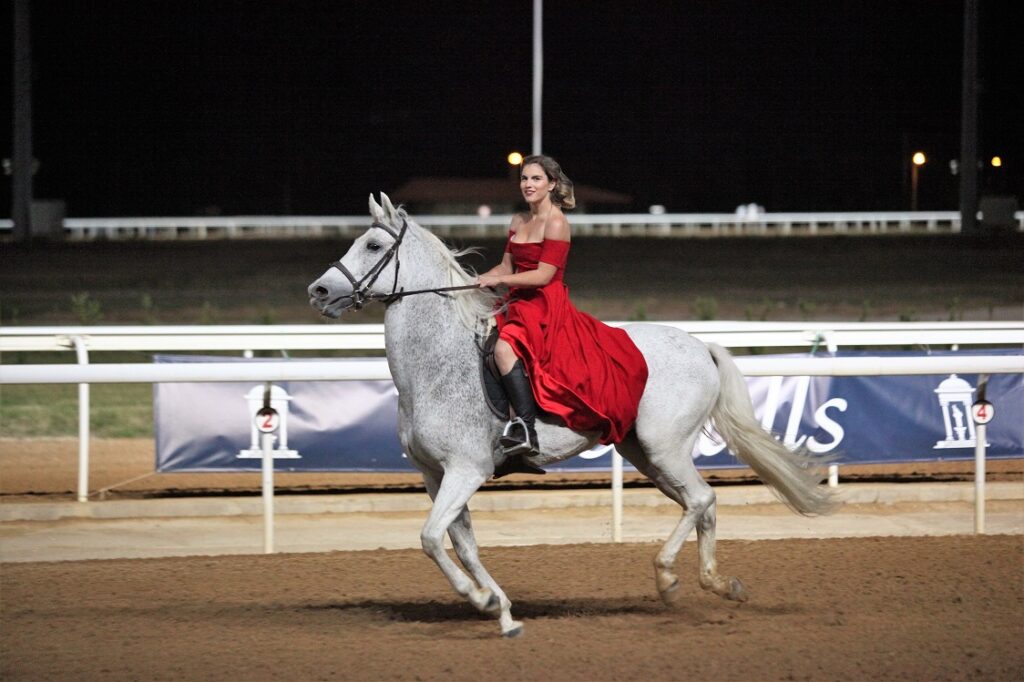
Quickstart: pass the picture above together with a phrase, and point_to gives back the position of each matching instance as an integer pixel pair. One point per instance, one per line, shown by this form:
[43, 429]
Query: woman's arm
[530, 278]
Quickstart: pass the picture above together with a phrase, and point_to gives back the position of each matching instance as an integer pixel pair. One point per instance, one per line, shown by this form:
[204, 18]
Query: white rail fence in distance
[614, 225]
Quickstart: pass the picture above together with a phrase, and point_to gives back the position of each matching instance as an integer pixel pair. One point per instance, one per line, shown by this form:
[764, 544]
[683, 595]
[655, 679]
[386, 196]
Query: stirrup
[513, 445]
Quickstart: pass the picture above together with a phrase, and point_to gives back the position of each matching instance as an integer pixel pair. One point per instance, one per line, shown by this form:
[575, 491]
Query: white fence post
[83, 423]
[267, 489]
[979, 479]
[616, 496]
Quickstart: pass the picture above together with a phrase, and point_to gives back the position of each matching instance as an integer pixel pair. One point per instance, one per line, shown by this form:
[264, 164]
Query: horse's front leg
[464, 541]
[451, 497]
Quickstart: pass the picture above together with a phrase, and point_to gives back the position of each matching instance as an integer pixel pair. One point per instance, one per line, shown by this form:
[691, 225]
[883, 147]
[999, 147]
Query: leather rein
[361, 295]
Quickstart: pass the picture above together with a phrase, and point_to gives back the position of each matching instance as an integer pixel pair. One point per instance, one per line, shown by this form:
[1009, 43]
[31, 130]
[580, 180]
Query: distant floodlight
[919, 158]
[515, 158]
[997, 161]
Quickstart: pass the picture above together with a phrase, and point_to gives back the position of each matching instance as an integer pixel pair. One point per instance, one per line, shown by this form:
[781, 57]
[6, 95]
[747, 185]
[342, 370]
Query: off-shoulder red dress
[586, 373]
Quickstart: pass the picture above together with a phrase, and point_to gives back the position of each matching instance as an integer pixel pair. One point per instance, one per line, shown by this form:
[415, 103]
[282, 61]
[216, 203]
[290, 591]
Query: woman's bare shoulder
[557, 228]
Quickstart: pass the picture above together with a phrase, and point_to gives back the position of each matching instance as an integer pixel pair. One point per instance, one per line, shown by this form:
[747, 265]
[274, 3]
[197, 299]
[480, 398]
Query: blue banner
[351, 425]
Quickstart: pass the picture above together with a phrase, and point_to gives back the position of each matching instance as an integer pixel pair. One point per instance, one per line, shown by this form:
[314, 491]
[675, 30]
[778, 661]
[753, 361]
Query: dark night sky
[166, 108]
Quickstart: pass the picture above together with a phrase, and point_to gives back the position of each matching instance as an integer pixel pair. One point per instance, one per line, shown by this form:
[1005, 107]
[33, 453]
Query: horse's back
[662, 344]
[681, 373]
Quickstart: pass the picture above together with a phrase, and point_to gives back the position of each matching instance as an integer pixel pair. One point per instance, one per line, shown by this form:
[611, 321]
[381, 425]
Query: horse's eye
[373, 246]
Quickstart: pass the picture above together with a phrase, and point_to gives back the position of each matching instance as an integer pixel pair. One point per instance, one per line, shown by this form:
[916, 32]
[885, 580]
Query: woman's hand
[489, 280]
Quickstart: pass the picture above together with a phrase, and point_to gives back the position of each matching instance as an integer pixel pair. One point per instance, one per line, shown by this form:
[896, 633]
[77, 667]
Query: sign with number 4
[982, 412]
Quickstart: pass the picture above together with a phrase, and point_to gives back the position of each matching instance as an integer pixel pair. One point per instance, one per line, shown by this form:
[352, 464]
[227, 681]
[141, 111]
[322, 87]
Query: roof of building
[490, 191]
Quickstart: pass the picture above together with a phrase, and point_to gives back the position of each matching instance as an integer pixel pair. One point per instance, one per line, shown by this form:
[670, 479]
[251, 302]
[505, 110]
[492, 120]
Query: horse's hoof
[515, 631]
[737, 592]
[670, 595]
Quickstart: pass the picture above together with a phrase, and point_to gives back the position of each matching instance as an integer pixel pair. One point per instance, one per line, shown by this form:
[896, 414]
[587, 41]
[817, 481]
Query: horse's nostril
[321, 292]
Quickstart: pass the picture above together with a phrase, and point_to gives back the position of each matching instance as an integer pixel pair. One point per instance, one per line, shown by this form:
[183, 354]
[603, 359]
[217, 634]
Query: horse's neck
[423, 336]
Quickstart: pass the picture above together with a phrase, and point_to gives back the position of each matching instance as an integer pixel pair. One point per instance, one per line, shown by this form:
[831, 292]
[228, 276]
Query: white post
[979, 479]
[833, 475]
[83, 424]
[616, 496]
[982, 413]
[538, 71]
[268, 491]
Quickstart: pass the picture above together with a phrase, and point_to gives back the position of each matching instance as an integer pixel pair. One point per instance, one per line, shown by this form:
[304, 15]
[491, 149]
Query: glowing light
[997, 161]
[919, 158]
[515, 158]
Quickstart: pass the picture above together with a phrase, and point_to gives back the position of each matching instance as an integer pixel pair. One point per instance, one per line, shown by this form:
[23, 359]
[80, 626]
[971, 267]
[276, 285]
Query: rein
[360, 288]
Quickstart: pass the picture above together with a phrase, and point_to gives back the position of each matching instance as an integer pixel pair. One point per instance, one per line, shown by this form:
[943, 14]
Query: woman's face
[534, 183]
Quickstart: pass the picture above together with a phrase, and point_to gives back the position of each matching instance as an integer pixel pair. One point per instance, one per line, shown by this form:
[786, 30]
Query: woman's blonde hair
[562, 195]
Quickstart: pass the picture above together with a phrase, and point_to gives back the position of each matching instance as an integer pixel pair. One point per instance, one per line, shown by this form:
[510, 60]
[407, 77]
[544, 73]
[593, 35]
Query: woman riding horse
[589, 375]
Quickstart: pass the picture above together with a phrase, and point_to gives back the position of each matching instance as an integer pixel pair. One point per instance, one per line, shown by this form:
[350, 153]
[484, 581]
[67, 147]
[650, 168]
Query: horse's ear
[376, 212]
[389, 209]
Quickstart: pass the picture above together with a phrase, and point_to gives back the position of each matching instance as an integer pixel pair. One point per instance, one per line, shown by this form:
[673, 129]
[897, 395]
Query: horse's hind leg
[673, 472]
[730, 588]
[450, 513]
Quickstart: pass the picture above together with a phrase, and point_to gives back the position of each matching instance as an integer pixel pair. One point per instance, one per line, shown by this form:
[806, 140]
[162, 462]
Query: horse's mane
[473, 306]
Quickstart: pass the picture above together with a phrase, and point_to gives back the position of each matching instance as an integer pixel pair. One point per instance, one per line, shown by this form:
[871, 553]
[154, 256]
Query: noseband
[361, 293]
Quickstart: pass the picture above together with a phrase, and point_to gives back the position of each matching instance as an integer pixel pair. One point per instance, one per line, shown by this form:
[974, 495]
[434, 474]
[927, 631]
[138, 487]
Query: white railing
[343, 370]
[370, 338]
[625, 224]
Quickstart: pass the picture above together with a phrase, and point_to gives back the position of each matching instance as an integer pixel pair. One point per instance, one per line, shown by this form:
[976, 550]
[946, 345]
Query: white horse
[451, 436]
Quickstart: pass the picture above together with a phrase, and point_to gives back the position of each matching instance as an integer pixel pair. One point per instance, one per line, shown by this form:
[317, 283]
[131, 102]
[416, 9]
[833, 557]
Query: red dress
[589, 375]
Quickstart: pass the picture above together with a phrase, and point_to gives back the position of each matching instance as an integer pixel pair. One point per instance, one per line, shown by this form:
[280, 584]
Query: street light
[918, 160]
[515, 160]
[997, 161]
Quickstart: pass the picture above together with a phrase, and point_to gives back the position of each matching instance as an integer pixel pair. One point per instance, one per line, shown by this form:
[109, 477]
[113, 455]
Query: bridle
[361, 294]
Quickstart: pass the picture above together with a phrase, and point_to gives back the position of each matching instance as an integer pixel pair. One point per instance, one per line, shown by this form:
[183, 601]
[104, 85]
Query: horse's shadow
[534, 609]
[437, 611]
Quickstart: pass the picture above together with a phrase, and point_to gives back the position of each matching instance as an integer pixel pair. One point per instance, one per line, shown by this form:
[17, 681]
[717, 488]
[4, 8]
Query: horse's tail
[794, 477]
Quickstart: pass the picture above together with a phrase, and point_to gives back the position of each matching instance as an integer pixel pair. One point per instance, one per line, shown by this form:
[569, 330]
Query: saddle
[491, 378]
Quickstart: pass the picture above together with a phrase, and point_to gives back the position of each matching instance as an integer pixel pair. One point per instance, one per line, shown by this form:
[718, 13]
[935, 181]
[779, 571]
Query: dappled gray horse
[451, 436]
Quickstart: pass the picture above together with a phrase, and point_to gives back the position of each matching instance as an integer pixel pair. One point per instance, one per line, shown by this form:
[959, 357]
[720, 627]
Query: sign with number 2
[267, 420]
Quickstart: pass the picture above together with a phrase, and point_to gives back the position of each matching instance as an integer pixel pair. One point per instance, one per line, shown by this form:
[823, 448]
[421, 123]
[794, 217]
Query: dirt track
[855, 609]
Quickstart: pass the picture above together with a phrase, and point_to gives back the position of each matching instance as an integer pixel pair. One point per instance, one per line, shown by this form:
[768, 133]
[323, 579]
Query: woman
[549, 354]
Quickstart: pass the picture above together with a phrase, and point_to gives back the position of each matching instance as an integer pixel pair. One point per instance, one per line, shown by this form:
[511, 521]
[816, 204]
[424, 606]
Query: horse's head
[368, 271]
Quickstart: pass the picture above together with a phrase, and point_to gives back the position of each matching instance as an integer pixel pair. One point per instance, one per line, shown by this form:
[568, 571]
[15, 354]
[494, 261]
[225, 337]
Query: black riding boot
[520, 437]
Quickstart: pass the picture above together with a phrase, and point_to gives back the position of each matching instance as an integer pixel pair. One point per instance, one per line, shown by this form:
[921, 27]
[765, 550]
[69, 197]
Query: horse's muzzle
[327, 301]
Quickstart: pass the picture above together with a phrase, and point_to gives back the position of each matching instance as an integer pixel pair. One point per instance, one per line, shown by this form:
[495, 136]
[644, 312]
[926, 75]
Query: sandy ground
[855, 608]
[849, 609]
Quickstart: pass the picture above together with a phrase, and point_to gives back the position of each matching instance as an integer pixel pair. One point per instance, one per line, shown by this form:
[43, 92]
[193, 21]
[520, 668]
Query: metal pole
[979, 479]
[913, 186]
[21, 170]
[979, 458]
[969, 123]
[616, 496]
[538, 71]
[267, 443]
[83, 424]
